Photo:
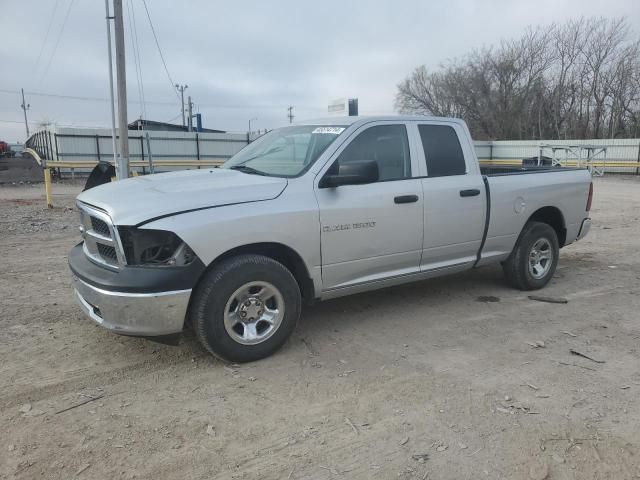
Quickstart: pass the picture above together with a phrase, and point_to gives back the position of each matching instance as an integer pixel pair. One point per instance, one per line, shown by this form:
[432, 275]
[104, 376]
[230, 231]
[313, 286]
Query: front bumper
[584, 228]
[134, 300]
[147, 314]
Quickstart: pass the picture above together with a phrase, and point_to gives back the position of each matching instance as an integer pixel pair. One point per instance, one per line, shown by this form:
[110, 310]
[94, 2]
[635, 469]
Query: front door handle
[406, 199]
[472, 192]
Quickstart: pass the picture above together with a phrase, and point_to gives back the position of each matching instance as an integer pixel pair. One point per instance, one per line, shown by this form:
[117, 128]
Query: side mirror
[352, 173]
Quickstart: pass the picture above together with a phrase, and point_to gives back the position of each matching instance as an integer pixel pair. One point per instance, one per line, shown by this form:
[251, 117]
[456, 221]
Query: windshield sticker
[329, 130]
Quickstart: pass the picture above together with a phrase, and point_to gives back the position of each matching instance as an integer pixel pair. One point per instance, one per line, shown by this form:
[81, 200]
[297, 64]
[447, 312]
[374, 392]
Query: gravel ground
[430, 380]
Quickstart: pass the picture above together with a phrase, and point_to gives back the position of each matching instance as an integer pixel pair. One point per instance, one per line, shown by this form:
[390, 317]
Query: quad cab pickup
[309, 212]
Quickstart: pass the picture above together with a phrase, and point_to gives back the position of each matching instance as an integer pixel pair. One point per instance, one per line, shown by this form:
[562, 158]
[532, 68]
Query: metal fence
[87, 145]
[90, 145]
[622, 155]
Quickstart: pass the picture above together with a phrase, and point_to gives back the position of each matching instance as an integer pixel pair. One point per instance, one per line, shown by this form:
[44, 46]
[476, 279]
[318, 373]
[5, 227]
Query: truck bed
[495, 170]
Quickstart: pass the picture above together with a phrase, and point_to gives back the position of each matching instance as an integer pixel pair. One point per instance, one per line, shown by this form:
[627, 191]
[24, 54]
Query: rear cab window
[442, 151]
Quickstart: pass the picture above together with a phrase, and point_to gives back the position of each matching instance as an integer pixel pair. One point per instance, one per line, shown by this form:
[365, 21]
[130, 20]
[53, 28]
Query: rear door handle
[406, 199]
[472, 192]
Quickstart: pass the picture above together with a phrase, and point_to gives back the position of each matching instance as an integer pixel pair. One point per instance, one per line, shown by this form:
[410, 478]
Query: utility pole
[181, 89]
[113, 107]
[290, 114]
[25, 107]
[121, 78]
[190, 107]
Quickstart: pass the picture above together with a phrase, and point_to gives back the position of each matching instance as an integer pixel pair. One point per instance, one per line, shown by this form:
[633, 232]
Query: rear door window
[442, 151]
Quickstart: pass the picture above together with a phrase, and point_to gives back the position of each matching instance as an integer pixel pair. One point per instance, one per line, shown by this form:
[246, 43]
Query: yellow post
[47, 187]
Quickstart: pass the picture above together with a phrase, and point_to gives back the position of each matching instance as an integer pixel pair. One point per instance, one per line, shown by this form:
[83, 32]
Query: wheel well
[283, 254]
[552, 216]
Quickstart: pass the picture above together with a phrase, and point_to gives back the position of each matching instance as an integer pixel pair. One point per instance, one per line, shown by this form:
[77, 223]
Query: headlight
[154, 247]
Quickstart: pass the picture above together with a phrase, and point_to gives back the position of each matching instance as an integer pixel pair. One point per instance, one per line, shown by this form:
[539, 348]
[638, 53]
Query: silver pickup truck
[309, 212]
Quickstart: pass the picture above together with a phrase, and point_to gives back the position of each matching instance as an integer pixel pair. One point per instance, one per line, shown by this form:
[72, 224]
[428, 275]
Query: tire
[232, 310]
[536, 241]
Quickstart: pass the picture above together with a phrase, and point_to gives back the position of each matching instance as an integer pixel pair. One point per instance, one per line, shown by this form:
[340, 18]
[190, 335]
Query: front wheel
[534, 258]
[245, 308]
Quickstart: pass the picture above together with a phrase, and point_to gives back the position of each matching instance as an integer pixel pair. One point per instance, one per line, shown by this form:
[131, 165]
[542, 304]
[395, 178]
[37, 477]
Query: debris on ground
[487, 299]
[404, 441]
[569, 333]
[580, 354]
[79, 404]
[211, 430]
[350, 423]
[420, 457]
[83, 468]
[540, 298]
[537, 344]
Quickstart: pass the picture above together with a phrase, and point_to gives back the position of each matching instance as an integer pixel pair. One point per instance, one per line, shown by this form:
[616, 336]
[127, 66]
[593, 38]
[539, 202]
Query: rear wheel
[245, 308]
[534, 258]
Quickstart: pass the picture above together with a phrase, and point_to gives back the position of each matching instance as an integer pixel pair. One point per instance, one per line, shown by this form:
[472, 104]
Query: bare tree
[576, 80]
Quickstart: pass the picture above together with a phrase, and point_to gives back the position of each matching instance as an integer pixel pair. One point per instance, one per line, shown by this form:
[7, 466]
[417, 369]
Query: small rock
[11, 447]
[420, 457]
[507, 398]
[211, 430]
[404, 441]
[462, 446]
[539, 471]
[252, 379]
[442, 448]
[25, 408]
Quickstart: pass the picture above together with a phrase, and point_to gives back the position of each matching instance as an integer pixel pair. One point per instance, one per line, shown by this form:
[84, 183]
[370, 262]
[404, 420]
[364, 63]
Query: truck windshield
[285, 152]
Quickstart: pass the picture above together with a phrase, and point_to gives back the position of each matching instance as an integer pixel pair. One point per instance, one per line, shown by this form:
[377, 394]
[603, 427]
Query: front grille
[108, 253]
[100, 227]
[101, 240]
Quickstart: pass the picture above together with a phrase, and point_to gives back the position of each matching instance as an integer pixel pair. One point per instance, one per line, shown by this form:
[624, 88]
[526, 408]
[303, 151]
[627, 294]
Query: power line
[174, 118]
[159, 102]
[55, 47]
[136, 56]
[135, 30]
[46, 37]
[153, 30]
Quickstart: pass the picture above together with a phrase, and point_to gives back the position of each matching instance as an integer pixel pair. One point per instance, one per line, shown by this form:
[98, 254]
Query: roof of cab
[366, 119]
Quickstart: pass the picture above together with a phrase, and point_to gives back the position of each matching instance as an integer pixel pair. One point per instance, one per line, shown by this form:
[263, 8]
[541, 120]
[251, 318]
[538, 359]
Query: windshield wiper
[249, 170]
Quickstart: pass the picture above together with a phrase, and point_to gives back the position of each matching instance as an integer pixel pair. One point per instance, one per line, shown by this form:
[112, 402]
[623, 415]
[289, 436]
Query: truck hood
[139, 199]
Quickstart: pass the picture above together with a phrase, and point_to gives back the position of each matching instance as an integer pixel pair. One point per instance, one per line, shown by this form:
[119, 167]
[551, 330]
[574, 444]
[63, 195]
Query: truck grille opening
[101, 241]
[108, 253]
[100, 227]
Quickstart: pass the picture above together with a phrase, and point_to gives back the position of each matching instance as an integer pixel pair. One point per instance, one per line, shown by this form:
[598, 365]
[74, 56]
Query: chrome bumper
[147, 314]
[584, 228]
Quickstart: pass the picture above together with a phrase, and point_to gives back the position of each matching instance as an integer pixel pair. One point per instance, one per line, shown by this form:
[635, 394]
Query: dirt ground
[425, 381]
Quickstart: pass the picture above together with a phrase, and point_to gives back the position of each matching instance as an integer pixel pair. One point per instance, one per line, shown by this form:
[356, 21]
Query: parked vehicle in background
[5, 150]
[309, 212]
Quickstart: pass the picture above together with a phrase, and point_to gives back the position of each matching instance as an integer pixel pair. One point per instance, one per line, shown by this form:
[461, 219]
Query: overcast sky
[246, 60]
